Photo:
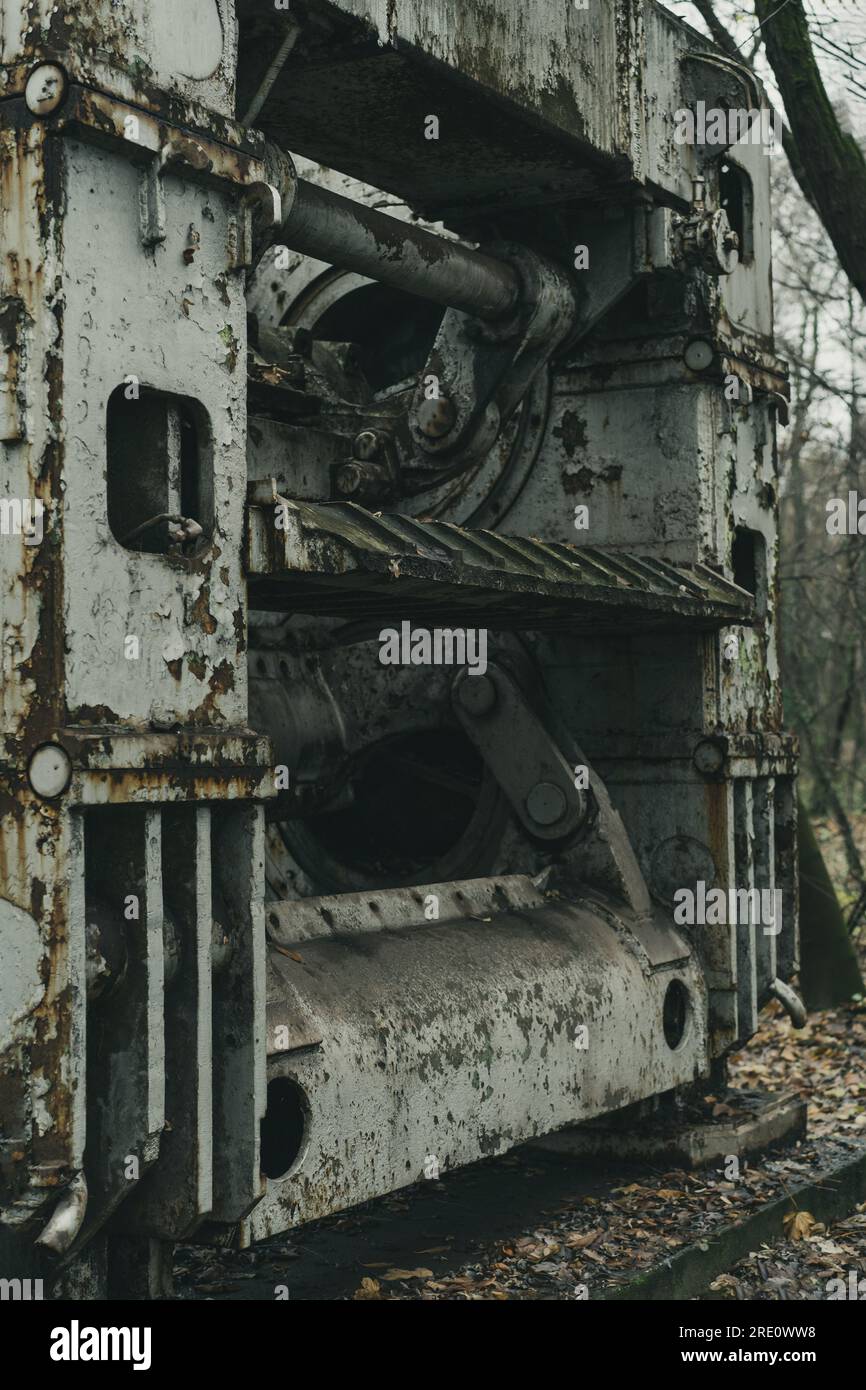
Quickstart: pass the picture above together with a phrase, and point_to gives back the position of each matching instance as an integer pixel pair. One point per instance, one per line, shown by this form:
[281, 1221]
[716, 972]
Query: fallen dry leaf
[798, 1224]
[724, 1284]
[578, 1240]
[369, 1288]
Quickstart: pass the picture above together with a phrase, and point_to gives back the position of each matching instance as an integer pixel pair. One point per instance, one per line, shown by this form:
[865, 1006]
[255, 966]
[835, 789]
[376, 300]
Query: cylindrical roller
[335, 229]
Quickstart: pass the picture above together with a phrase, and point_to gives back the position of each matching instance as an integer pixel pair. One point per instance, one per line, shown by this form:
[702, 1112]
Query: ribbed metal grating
[338, 559]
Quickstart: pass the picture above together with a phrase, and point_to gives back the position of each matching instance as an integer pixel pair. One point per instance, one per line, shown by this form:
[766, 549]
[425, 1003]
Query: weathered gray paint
[128, 221]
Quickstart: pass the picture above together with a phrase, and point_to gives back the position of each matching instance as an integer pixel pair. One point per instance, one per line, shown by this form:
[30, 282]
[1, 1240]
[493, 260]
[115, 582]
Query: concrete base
[760, 1121]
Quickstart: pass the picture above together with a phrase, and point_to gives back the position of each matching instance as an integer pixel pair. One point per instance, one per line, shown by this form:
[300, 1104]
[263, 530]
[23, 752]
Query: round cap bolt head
[698, 355]
[477, 694]
[366, 445]
[709, 756]
[546, 804]
[436, 417]
[50, 771]
[45, 90]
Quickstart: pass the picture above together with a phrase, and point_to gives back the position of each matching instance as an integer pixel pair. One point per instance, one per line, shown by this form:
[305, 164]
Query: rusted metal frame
[163, 145]
[179, 1191]
[765, 859]
[196, 148]
[744, 754]
[61, 1145]
[129, 88]
[746, 930]
[43, 869]
[732, 355]
[126, 1051]
[785, 838]
[159, 144]
[238, 1011]
[190, 150]
[115, 767]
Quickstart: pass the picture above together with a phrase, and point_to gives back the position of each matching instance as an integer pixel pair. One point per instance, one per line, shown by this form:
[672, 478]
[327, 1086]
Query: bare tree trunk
[829, 973]
[833, 161]
[724, 40]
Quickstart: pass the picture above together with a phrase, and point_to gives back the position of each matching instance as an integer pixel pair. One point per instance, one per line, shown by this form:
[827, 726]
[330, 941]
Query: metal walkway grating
[338, 559]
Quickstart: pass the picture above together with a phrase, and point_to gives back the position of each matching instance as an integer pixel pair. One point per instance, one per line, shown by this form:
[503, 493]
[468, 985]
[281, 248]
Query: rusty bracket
[478, 373]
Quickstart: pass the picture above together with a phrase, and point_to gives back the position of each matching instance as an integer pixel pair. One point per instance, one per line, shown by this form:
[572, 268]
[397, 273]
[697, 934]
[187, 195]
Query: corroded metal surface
[491, 1031]
[435, 941]
[324, 224]
[124, 236]
[152, 53]
[542, 105]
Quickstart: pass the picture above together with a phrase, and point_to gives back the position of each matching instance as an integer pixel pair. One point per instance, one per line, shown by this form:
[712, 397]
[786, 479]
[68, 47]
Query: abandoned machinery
[389, 611]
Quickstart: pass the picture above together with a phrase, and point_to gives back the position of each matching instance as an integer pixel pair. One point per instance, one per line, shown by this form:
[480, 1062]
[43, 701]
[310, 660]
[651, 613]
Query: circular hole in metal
[283, 1127]
[396, 348]
[414, 799]
[675, 1013]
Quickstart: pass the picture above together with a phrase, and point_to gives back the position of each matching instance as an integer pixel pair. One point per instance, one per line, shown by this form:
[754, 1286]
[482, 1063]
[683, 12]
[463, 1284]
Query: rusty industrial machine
[326, 328]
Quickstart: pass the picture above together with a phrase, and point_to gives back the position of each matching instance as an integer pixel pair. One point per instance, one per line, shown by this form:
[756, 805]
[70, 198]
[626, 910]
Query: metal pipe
[347, 234]
[791, 1002]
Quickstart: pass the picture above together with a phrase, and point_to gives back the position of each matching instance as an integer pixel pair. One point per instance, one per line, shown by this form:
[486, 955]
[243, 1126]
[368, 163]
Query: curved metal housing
[421, 1045]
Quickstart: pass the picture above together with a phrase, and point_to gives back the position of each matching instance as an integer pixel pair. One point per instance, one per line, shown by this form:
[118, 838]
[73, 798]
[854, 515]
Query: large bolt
[477, 694]
[436, 417]
[349, 479]
[364, 480]
[546, 803]
[698, 355]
